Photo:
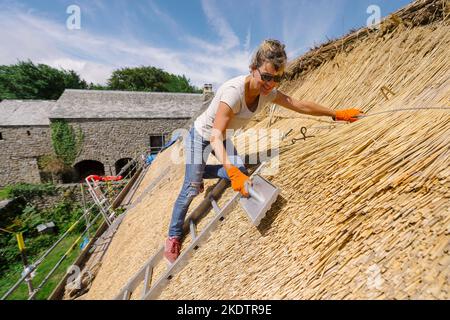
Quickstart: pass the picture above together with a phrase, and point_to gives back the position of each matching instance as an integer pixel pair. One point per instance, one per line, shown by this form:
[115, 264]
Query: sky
[208, 41]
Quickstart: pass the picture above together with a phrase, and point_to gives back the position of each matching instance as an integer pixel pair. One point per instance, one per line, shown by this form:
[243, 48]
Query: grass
[21, 293]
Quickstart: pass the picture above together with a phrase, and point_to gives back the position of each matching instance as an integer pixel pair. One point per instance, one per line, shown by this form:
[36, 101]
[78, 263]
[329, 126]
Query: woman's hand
[350, 115]
[238, 180]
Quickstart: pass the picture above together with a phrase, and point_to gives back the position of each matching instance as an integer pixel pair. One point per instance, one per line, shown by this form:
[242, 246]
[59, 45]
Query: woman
[235, 102]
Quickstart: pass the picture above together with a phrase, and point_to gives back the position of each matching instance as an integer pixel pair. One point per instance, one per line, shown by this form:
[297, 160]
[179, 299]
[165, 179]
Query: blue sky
[209, 41]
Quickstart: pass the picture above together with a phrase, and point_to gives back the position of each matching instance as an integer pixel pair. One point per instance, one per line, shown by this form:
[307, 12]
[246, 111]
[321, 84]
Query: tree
[95, 86]
[25, 80]
[149, 79]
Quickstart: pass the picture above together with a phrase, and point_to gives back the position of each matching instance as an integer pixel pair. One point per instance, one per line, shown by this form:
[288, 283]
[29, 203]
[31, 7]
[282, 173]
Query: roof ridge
[131, 92]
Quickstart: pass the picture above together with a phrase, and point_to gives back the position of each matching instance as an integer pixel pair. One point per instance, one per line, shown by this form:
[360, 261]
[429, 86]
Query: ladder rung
[215, 206]
[152, 289]
[147, 279]
[187, 253]
[139, 277]
[192, 226]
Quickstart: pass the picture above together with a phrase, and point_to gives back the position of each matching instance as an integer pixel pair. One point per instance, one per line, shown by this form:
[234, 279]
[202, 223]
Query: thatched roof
[25, 112]
[364, 210]
[102, 104]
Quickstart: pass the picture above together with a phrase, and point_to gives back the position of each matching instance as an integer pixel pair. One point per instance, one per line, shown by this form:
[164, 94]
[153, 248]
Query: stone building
[24, 136]
[117, 126]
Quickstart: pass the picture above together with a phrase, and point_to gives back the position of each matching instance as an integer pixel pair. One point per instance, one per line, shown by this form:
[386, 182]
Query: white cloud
[94, 57]
[92, 72]
[27, 35]
[248, 39]
[229, 39]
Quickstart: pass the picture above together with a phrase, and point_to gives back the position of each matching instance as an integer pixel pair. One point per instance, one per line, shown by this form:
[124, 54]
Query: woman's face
[267, 78]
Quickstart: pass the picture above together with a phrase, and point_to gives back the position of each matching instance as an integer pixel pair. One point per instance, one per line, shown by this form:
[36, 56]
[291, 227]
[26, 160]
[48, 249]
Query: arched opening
[87, 167]
[125, 167]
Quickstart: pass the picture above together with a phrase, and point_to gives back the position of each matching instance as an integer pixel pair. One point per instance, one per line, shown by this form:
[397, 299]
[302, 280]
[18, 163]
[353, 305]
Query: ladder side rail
[154, 291]
[137, 279]
[200, 211]
[196, 214]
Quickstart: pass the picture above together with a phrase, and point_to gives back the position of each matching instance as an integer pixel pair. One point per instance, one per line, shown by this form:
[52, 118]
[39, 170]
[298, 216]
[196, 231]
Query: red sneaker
[172, 249]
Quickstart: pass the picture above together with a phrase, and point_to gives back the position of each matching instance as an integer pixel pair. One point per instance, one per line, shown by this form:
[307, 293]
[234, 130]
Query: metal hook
[284, 136]
[303, 131]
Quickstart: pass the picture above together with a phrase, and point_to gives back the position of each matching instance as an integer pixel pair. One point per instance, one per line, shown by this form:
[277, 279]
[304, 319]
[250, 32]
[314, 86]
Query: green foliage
[29, 191]
[64, 215]
[66, 143]
[25, 80]
[9, 251]
[35, 245]
[9, 277]
[149, 79]
[119, 210]
[29, 220]
[93, 86]
[26, 218]
[4, 194]
[51, 168]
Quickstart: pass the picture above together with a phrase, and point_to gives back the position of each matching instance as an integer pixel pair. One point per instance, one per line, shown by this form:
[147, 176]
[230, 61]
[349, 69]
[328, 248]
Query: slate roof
[102, 104]
[25, 112]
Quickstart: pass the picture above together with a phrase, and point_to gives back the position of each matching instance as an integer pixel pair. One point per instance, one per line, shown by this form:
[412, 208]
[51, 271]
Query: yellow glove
[347, 115]
[238, 180]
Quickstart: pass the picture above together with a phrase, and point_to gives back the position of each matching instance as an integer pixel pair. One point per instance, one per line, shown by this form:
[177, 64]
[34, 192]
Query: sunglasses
[267, 77]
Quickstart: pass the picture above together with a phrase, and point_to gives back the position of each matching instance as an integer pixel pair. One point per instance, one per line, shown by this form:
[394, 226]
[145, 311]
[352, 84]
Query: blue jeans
[197, 151]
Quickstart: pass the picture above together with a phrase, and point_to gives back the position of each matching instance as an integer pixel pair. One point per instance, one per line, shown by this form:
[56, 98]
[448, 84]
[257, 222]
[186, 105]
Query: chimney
[208, 93]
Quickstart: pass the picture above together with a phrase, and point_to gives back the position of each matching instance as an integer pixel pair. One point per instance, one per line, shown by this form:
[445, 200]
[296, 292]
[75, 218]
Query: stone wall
[108, 141]
[19, 149]
[71, 192]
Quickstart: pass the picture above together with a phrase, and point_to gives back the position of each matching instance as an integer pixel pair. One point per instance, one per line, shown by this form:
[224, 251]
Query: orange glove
[347, 115]
[238, 180]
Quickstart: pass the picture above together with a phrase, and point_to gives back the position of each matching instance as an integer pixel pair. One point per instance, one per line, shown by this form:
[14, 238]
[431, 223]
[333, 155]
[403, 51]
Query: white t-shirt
[232, 93]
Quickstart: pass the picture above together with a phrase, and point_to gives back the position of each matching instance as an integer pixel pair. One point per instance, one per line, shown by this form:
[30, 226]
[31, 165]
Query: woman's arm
[238, 179]
[305, 107]
[223, 117]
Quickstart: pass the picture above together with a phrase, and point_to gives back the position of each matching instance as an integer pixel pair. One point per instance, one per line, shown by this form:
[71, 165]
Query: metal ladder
[152, 290]
[101, 200]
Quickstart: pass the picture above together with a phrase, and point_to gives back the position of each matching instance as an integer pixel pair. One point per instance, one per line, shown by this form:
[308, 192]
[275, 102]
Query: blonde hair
[272, 51]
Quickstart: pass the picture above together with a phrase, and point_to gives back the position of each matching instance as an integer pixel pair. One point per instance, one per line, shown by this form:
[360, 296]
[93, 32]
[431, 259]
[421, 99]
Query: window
[1, 136]
[28, 133]
[157, 141]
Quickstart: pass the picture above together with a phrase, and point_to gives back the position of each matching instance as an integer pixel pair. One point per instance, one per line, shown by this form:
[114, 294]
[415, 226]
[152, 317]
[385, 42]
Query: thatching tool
[303, 131]
[262, 195]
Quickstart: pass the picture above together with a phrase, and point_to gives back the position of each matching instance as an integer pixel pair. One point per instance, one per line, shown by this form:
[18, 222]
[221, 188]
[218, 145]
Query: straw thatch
[364, 210]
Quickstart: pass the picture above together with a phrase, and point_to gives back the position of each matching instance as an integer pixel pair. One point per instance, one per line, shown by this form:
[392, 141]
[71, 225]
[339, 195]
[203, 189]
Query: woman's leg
[218, 171]
[193, 181]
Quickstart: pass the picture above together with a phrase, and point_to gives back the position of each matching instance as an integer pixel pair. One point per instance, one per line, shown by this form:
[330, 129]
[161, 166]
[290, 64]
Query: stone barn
[24, 136]
[116, 126]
